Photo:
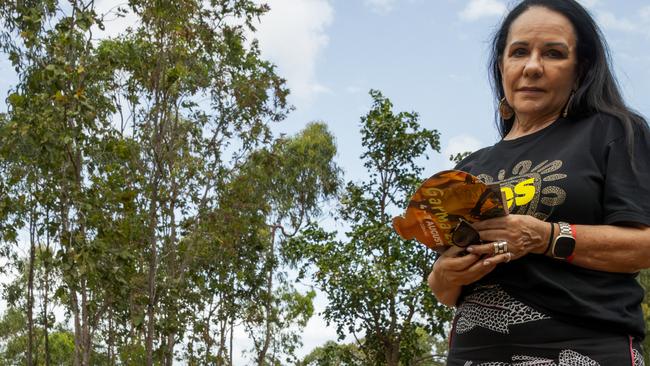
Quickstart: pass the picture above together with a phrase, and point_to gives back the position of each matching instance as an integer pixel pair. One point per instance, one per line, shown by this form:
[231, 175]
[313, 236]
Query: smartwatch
[565, 243]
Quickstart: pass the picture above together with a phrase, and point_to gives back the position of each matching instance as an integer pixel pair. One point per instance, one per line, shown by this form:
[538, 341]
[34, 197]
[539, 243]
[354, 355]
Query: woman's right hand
[451, 272]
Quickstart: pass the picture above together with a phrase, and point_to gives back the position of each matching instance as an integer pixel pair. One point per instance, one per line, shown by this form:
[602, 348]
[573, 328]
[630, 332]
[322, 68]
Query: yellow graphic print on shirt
[523, 189]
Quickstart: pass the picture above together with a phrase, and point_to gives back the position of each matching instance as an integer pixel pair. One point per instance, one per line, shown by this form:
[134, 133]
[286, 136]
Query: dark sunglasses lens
[465, 235]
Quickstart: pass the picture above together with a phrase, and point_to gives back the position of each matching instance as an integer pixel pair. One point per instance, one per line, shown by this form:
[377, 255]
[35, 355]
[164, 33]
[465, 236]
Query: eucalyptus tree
[62, 155]
[130, 158]
[275, 192]
[57, 123]
[296, 177]
[200, 98]
[376, 282]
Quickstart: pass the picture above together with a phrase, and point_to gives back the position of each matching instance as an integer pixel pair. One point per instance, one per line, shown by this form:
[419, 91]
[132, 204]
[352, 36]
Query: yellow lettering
[525, 191]
[435, 201]
[509, 196]
[442, 216]
[430, 191]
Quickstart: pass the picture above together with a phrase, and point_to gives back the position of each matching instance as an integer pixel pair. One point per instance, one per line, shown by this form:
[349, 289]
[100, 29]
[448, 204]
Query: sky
[427, 56]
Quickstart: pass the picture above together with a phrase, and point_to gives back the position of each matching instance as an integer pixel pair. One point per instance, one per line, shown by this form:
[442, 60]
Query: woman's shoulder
[470, 159]
[612, 127]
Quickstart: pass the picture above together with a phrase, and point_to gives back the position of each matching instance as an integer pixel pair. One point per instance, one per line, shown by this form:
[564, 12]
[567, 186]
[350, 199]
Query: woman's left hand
[523, 234]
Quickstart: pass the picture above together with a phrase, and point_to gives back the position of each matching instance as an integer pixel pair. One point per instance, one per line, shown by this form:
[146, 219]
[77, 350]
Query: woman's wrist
[567, 247]
[547, 231]
[550, 239]
[446, 292]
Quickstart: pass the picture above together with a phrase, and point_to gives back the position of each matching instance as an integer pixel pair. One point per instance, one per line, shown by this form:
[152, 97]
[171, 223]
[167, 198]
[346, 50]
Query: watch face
[564, 246]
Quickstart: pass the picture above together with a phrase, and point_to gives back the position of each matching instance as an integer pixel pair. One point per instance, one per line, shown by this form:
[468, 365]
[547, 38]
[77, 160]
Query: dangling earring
[505, 110]
[568, 104]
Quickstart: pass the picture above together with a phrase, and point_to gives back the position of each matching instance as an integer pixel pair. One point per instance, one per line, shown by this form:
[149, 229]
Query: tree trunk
[153, 268]
[46, 324]
[268, 305]
[111, 354]
[154, 206]
[77, 328]
[85, 326]
[169, 357]
[232, 336]
[391, 353]
[30, 290]
[172, 266]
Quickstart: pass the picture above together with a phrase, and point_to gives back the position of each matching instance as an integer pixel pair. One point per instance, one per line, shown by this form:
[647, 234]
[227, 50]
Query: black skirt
[491, 328]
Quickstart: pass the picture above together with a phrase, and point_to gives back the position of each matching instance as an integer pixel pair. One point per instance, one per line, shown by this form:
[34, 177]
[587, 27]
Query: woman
[553, 283]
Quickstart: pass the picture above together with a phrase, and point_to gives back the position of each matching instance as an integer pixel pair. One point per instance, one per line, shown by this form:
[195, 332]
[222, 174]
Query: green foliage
[294, 177]
[376, 282]
[14, 340]
[459, 157]
[334, 354]
[111, 154]
[644, 281]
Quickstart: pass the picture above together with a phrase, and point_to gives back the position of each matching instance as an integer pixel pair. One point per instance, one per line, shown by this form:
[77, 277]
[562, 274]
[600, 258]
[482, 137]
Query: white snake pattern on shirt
[567, 358]
[638, 358]
[492, 308]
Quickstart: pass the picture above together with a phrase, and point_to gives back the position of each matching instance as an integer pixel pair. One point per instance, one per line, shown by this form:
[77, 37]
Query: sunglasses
[464, 234]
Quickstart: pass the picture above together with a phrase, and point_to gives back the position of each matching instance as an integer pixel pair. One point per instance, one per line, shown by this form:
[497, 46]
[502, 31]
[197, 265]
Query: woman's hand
[523, 234]
[451, 272]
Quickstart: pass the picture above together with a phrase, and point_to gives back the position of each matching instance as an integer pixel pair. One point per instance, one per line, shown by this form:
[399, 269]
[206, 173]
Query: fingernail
[470, 249]
[486, 263]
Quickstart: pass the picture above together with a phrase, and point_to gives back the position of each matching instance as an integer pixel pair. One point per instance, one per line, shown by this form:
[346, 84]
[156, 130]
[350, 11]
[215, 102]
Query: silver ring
[500, 247]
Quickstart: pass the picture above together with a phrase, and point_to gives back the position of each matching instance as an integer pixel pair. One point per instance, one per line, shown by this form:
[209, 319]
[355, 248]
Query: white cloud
[477, 9]
[460, 144]
[380, 6]
[639, 25]
[611, 21]
[353, 89]
[293, 35]
[317, 88]
[645, 13]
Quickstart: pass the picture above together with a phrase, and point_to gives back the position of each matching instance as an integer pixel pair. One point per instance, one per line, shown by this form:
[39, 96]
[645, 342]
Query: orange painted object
[442, 202]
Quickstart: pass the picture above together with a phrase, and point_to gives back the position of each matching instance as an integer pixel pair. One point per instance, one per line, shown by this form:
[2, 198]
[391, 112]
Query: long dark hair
[598, 89]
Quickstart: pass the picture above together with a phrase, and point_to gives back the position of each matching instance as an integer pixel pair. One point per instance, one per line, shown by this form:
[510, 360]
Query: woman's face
[538, 66]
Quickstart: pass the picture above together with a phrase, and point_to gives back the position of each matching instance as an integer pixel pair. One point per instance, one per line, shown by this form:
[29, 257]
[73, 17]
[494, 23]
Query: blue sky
[427, 56]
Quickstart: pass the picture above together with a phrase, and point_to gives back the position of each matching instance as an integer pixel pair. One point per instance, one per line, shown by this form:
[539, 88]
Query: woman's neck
[526, 126]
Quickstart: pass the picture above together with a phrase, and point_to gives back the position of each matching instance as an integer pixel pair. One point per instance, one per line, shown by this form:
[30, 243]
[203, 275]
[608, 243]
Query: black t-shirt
[578, 172]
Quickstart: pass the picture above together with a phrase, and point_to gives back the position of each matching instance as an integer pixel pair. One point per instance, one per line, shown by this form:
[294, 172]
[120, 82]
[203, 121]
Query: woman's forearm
[609, 248]
[624, 249]
[444, 291]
